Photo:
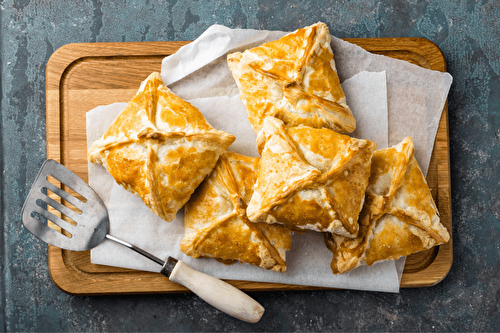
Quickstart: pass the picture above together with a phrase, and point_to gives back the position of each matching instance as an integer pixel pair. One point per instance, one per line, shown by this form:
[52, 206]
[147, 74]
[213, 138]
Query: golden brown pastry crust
[216, 224]
[310, 178]
[293, 78]
[399, 216]
[159, 147]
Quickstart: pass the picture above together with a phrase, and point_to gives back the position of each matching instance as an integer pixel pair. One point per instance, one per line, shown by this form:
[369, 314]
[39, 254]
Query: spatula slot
[44, 220]
[39, 217]
[52, 206]
[50, 209]
[50, 188]
[66, 187]
[68, 204]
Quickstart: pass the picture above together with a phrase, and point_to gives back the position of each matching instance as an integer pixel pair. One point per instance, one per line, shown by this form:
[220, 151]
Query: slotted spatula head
[90, 214]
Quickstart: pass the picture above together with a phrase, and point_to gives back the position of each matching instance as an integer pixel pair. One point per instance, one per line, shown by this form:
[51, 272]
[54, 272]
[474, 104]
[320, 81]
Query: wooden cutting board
[81, 77]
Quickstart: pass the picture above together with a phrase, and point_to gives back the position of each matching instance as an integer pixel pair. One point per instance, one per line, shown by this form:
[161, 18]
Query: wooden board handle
[217, 293]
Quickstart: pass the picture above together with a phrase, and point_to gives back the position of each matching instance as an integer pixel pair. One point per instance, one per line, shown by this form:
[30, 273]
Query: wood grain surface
[81, 77]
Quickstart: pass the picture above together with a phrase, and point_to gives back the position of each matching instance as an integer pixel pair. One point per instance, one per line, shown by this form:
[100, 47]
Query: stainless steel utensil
[89, 227]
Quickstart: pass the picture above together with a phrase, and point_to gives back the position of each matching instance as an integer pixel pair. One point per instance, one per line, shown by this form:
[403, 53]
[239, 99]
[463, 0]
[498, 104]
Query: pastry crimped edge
[308, 177]
[348, 254]
[145, 132]
[273, 240]
[332, 112]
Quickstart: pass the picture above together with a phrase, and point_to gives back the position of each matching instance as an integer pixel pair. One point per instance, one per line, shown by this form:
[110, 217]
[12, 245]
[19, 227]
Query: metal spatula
[89, 227]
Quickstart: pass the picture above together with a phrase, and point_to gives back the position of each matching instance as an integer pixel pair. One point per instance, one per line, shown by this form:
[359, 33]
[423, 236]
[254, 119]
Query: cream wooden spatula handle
[215, 292]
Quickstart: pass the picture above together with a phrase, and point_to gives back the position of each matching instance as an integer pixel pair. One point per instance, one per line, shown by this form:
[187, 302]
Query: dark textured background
[468, 33]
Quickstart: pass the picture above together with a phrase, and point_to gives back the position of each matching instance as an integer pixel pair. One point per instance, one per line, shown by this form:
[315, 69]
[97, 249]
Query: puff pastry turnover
[216, 224]
[399, 216]
[310, 178]
[160, 147]
[293, 78]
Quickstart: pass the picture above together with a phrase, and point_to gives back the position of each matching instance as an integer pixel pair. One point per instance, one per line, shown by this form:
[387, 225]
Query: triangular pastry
[399, 216]
[293, 78]
[160, 147]
[215, 221]
[310, 178]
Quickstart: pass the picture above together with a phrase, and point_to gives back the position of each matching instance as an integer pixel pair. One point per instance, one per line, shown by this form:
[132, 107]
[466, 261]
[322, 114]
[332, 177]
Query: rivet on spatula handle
[215, 292]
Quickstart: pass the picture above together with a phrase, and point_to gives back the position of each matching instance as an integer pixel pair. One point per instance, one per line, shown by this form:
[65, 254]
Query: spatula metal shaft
[136, 249]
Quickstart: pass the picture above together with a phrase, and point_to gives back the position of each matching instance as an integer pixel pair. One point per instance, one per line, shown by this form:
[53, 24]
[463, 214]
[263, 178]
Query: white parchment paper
[198, 72]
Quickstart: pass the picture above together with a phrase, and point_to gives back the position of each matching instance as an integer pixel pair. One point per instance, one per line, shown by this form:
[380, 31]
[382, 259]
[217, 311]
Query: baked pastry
[216, 224]
[160, 147]
[294, 79]
[399, 216]
[310, 178]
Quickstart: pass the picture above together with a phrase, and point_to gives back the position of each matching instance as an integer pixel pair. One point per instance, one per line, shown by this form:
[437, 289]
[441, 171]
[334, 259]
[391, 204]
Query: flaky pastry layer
[310, 178]
[216, 225]
[160, 148]
[294, 79]
[399, 216]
